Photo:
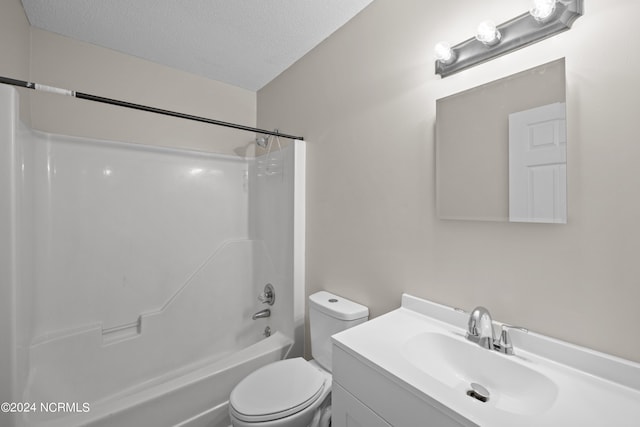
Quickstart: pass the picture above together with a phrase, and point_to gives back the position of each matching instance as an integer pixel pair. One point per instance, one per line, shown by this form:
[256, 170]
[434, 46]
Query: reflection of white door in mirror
[538, 165]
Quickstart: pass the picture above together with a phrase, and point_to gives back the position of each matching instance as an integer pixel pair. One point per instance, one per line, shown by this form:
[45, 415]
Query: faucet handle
[268, 296]
[504, 344]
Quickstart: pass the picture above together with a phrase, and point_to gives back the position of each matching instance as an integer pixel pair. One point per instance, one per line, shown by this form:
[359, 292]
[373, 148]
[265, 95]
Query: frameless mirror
[501, 149]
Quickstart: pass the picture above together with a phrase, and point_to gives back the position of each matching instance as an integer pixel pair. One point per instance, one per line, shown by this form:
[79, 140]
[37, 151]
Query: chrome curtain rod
[52, 89]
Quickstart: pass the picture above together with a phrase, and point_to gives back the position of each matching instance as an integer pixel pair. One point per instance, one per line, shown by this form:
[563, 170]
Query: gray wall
[365, 101]
[14, 40]
[64, 62]
[35, 55]
[14, 45]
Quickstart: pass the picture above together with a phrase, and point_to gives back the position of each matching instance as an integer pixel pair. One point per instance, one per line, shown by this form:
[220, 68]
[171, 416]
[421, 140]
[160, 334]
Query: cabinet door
[347, 411]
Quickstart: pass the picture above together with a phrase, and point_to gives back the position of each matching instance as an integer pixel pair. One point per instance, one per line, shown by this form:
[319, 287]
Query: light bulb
[444, 53]
[542, 9]
[488, 33]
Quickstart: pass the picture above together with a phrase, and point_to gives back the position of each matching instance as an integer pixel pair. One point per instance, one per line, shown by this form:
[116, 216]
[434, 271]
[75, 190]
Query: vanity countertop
[546, 382]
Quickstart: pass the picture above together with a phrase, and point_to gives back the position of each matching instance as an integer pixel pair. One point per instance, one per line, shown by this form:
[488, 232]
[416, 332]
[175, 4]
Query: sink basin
[457, 363]
[432, 374]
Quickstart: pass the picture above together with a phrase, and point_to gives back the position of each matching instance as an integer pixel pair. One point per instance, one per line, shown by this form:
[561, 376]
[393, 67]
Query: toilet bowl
[296, 392]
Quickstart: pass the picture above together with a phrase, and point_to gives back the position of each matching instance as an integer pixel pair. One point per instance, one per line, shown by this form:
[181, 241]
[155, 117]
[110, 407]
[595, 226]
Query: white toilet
[296, 392]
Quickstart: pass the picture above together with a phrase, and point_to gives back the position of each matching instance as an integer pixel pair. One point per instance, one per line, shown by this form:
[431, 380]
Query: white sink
[457, 363]
[421, 350]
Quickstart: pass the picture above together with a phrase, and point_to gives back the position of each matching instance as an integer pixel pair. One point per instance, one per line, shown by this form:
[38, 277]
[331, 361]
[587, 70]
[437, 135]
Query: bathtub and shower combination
[130, 275]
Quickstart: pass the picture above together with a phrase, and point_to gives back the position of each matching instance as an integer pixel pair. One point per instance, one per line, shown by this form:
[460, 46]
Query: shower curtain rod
[60, 91]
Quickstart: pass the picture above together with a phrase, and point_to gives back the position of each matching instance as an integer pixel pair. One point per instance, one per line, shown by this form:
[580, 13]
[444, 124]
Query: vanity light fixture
[444, 53]
[488, 34]
[545, 19]
[542, 9]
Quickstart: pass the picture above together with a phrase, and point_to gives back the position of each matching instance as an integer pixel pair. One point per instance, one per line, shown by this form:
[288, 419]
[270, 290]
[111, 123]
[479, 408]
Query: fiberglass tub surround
[139, 265]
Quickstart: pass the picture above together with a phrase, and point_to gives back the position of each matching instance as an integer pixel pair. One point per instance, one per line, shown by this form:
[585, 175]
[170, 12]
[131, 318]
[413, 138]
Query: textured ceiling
[245, 43]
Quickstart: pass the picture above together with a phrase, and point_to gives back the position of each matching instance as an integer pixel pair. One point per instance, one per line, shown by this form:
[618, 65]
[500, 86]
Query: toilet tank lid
[337, 307]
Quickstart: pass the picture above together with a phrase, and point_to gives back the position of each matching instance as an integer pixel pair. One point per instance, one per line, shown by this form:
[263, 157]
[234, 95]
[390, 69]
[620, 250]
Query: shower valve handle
[268, 296]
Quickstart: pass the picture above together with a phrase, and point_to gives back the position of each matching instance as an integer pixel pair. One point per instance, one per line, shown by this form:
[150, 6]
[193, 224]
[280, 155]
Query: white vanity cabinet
[415, 367]
[365, 397]
[347, 411]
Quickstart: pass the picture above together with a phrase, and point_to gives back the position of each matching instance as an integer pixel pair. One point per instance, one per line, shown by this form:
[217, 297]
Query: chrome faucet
[261, 314]
[480, 331]
[480, 328]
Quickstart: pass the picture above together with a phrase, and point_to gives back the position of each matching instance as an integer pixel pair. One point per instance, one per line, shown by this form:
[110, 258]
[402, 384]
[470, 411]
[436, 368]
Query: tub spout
[262, 313]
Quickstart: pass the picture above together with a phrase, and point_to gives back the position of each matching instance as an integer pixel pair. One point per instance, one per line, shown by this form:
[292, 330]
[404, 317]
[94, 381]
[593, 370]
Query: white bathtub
[196, 397]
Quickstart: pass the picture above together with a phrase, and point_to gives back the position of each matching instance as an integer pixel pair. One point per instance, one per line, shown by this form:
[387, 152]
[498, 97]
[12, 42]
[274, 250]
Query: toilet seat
[277, 390]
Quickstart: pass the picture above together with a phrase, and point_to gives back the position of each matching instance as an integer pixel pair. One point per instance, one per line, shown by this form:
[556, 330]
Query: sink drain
[478, 392]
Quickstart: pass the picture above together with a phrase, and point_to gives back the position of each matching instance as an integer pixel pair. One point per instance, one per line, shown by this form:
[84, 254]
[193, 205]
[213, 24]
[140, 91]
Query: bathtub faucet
[261, 314]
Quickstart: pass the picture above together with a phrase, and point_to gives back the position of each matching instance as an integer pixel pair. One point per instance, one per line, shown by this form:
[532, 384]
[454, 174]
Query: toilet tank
[328, 315]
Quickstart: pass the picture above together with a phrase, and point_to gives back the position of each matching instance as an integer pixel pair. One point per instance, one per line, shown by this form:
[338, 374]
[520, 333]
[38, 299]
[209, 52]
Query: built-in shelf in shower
[122, 332]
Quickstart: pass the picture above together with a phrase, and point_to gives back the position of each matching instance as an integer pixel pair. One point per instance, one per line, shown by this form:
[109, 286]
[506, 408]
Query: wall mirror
[501, 149]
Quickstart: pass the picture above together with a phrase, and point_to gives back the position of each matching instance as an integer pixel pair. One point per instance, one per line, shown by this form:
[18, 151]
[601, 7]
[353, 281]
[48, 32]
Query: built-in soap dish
[122, 332]
[478, 392]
